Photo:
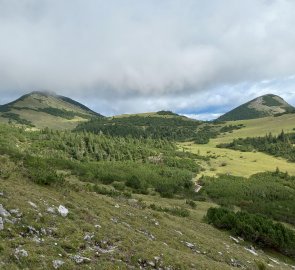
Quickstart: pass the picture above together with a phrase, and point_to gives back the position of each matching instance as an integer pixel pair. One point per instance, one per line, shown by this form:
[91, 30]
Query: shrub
[41, 173]
[255, 228]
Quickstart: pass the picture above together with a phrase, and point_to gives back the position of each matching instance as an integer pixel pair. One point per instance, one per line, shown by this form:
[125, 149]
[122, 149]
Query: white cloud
[134, 55]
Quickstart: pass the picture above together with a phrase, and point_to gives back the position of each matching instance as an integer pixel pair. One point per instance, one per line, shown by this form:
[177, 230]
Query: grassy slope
[42, 119]
[241, 163]
[88, 209]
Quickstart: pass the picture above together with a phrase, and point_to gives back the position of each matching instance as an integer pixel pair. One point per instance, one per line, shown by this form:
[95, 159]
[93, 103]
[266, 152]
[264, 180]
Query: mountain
[267, 105]
[46, 109]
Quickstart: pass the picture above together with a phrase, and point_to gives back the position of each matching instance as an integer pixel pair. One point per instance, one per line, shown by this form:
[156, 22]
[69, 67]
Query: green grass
[227, 161]
[126, 224]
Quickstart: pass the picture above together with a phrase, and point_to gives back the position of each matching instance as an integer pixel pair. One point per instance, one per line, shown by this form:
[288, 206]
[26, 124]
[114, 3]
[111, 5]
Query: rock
[14, 211]
[114, 220]
[274, 260]
[148, 234]
[19, 252]
[78, 259]
[151, 263]
[117, 206]
[189, 245]
[63, 211]
[1, 224]
[33, 204]
[51, 210]
[105, 247]
[234, 239]
[57, 263]
[236, 263]
[97, 226]
[179, 232]
[88, 237]
[252, 250]
[4, 212]
[1, 194]
[33, 231]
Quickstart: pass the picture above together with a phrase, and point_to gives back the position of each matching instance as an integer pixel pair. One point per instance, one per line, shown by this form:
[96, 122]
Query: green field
[227, 161]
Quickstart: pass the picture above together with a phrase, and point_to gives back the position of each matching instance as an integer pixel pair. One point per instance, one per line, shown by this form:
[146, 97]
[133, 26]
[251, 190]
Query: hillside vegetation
[267, 105]
[163, 125]
[279, 146]
[44, 109]
[127, 199]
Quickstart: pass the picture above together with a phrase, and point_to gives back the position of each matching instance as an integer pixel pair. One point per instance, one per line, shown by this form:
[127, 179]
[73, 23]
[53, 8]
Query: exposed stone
[19, 252]
[63, 211]
[236, 263]
[57, 263]
[1, 224]
[51, 210]
[4, 212]
[33, 204]
[105, 247]
[88, 237]
[80, 259]
[252, 250]
[234, 239]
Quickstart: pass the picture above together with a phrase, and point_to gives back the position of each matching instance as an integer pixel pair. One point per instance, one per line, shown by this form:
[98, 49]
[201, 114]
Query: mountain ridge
[45, 109]
[262, 106]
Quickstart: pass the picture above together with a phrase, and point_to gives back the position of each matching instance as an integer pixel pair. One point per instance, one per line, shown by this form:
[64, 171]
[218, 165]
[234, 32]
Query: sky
[194, 57]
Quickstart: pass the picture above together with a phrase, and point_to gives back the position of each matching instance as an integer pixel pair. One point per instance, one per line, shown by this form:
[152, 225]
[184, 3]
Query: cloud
[148, 54]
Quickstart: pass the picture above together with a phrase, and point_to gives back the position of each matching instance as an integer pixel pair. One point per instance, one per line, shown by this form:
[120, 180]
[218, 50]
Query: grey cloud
[125, 56]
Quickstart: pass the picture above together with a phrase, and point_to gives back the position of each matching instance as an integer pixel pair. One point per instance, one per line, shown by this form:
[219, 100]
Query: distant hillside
[44, 109]
[267, 105]
[157, 125]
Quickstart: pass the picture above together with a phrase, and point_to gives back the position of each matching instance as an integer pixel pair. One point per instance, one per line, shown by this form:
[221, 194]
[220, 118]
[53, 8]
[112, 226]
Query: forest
[137, 165]
[279, 146]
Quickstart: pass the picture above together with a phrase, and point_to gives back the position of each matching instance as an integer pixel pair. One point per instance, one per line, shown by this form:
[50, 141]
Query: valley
[82, 191]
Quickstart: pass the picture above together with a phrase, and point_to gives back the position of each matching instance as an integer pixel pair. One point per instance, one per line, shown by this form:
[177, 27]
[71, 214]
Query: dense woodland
[171, 127]
[269, 193]
[255, 228]
[279, 146]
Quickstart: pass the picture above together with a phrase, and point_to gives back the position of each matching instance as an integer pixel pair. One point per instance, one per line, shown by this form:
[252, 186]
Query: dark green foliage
[102, 159]
[246, 111]
[205, 134]
[255, 228]
[15, 117]
[40, 172]
[167, 113]
[175, 211]
[269, 100]
[279, 146]
[270, 193]
[172, 128]
[191, 203]
[231, 128]
[242, 112]
[62, 113]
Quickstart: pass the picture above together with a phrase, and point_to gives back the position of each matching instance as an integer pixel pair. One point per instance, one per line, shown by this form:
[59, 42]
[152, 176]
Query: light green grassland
[258, 127]
[125, 224]
[244, 163]
[42, 120]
